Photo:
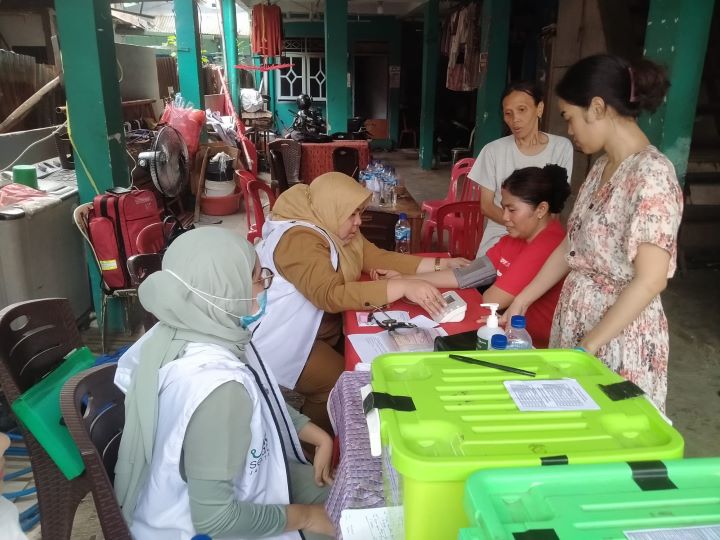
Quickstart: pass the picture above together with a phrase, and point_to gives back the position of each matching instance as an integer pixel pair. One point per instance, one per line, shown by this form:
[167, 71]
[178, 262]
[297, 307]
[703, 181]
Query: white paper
[384, 523]
[362, 317]
[421, 321]
[706, 532]
[556, 395]
[370, 346]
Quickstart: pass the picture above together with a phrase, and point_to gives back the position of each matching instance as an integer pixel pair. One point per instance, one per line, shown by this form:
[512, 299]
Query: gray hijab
[204, 286]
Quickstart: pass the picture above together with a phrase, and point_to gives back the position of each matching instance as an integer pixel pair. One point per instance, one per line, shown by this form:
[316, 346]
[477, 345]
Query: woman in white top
[527, 146]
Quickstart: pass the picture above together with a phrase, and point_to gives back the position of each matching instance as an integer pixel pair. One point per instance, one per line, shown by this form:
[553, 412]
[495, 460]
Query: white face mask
[202, 295]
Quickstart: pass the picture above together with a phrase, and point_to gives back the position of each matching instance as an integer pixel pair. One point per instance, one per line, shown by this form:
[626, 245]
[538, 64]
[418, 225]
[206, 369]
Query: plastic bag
[186, 120]
[251, 100]
[16, 193]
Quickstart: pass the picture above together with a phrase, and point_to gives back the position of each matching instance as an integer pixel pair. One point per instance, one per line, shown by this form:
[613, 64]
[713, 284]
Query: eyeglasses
[388, 323]
[266, 277]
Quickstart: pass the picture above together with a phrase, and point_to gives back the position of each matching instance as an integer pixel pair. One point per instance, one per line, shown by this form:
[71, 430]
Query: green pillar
[494, 34]
[230, 37]
[677, 36]
[85, 34]
[431, 56]
[188, 52]
[336, 58]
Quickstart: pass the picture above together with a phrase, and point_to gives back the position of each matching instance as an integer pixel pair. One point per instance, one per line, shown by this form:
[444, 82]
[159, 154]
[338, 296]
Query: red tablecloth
[473, 313]
[316, 158]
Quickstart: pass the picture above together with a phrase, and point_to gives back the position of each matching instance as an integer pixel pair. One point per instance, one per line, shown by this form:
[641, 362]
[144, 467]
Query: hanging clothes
[463, 72]
[267, 36]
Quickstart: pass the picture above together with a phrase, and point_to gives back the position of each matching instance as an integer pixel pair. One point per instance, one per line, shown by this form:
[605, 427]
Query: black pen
[491, 365]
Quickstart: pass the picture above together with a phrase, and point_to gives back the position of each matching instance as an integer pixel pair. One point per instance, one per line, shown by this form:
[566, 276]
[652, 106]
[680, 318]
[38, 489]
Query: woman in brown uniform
[313, 245]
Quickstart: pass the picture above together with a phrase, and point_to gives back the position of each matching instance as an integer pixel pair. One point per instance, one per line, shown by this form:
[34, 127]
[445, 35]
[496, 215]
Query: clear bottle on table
[518, 337]
[389, 190]
[402, 234]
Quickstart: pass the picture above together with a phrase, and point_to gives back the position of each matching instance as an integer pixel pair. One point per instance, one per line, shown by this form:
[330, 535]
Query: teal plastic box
[39, 410]
[464, 420]
[594, 502]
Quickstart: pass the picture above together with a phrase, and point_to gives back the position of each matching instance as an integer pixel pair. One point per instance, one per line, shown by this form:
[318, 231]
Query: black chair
[35, 336]
[94, 410]
[278, 176]
[346, 160]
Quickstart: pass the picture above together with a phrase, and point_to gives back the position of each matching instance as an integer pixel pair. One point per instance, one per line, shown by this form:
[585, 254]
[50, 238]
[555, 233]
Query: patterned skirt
[639, 353]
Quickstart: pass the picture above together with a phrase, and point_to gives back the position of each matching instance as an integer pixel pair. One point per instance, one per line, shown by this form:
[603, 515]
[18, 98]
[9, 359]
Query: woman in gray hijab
[209, 445]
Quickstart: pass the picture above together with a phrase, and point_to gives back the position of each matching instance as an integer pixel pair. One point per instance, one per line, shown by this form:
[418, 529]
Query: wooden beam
[27, 105]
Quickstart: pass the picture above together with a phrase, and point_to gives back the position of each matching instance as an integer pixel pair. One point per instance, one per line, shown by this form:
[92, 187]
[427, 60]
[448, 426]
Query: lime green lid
[465, 419]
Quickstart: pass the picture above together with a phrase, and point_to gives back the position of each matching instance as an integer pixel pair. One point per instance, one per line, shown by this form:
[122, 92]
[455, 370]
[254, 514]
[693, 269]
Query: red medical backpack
[115, 221]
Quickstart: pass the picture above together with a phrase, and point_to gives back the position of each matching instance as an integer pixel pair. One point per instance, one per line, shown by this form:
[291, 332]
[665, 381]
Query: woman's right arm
[303, 258]
[489, 208]
[554, 269]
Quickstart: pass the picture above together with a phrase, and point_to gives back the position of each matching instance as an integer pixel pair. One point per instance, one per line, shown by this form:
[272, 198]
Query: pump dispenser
[491, 328]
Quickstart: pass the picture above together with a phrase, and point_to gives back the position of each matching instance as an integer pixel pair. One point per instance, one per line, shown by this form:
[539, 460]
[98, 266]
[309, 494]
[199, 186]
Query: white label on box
[703, 532]
[556, 395]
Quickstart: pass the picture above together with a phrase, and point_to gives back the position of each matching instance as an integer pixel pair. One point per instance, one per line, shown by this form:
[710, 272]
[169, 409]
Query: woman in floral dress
[620, 248]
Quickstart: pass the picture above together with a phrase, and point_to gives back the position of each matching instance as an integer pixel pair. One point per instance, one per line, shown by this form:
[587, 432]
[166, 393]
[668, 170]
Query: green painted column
[431, 57]
[336, 59]
[187, 31]
[677, 36]
[85, 34]
[230, 36]
[90, 73]
[494, 35]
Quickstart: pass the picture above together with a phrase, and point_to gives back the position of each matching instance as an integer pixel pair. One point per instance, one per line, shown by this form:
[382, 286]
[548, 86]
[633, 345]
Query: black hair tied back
[628, 88]
[560, 187]
[535, 185]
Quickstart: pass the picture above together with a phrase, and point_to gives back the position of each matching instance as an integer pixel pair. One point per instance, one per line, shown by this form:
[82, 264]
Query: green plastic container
[39, 410]
[465, 420]
[592, 502]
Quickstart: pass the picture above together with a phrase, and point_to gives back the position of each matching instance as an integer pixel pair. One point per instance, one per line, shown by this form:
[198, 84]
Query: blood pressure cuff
[479, 273]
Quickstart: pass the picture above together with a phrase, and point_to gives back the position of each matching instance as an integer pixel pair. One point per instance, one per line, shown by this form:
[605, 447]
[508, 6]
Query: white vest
[163, 508]
[287, 331]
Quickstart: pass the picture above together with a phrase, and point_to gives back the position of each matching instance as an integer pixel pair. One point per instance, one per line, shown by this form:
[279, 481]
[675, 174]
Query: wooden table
[378, 222]
[473, 313]
[316, 158]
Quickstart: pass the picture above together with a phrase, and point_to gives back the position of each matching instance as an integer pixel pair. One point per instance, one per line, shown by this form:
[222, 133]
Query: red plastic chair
[464, 224]
[254, 204]
[429, 208]
[152, 238]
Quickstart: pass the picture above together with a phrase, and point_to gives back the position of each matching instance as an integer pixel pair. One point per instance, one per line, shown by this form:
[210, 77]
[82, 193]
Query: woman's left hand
[456, 262]
[322, 464]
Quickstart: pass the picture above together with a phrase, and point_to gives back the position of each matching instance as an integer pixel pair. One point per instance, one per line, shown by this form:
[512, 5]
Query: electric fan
[167, 162]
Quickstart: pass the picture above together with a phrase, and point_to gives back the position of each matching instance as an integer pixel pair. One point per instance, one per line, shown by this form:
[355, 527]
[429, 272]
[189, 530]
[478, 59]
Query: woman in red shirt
[529, 198]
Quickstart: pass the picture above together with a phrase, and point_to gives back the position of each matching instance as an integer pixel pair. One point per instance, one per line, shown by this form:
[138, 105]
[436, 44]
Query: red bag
[114, 224]
[189, 123]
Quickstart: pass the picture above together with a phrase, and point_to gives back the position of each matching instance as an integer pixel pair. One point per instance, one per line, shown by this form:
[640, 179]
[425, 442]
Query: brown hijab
[327, 202]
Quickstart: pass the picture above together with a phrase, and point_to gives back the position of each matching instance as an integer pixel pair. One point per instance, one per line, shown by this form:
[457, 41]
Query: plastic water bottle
[389, 192]
[517, 336]
[402, 234]
[498, 342]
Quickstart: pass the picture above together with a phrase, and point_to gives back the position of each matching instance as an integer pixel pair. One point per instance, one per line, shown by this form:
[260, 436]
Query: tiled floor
[691, 303]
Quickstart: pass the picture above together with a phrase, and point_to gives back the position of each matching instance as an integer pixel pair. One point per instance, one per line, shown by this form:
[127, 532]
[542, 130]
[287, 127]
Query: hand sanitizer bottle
[491, 328]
